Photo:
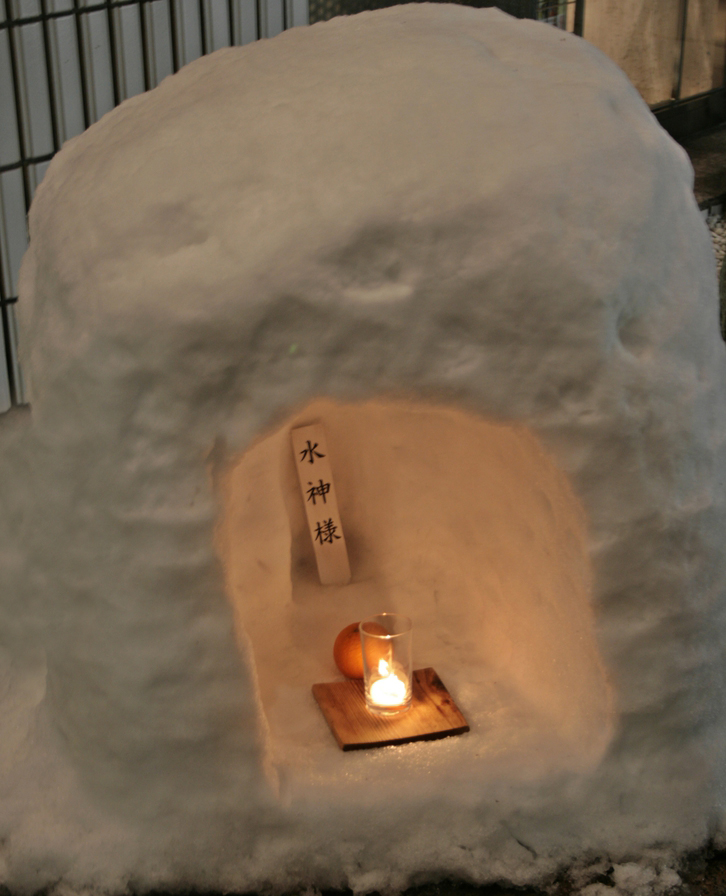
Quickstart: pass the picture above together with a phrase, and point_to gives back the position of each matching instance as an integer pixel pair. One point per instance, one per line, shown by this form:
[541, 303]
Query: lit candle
[387, 669]
[388, 690]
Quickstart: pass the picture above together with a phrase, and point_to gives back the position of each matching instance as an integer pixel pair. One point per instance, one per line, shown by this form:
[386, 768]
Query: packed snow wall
[462, 242]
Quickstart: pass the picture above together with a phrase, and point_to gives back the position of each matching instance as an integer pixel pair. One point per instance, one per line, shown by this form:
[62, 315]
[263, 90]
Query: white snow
[462, 242]
[635, 879]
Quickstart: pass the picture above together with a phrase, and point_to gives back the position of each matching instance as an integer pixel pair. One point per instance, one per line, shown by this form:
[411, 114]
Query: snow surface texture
[465, 240]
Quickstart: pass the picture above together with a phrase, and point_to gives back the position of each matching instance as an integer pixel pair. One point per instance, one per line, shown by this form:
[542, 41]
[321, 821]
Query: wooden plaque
[433, 714]
[312, 462]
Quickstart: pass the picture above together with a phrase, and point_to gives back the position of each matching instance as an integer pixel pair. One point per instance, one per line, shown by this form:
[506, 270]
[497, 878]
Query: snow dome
[462, 244]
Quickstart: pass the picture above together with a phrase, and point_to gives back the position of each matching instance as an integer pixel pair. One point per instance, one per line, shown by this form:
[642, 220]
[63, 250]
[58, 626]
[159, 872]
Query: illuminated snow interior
[464, 525]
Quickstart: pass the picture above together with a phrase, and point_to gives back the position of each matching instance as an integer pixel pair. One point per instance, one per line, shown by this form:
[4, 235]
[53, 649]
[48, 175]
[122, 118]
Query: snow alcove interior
[464, 525]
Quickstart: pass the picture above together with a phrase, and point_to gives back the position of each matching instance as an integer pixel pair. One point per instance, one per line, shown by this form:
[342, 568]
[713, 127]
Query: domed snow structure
[460, 242]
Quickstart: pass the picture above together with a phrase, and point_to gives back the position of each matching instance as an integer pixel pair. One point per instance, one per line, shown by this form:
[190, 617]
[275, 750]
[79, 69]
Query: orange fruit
[347, 650]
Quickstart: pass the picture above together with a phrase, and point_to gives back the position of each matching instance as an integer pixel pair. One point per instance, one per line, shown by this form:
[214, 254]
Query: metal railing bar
[672, 102]
[683, 27]
[5, 303]
[52, 98]
[82, 66]
[26, 162]
[112, 49]
[65, 13]
[22, 141]
[143, 31]
[203, 27]
[230, 17]
[174, 36]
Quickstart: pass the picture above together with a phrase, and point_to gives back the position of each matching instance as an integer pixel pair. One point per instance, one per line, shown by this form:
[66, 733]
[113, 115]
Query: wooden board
[312, 462]
[433, 714]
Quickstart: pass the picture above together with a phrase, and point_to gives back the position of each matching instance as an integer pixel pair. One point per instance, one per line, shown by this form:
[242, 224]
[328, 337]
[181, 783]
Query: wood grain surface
[433, 714]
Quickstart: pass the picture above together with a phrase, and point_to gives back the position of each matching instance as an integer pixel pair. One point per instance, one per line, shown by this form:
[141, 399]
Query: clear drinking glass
[387, 668]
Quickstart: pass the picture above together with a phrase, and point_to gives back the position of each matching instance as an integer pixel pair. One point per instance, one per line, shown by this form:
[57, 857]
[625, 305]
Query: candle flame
[388, 690]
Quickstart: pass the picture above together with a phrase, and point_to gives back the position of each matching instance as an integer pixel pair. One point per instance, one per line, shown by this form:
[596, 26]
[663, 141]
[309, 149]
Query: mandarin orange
[348, 653]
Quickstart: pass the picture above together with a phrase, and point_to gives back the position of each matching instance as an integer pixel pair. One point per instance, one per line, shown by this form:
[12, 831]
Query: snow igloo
[462, 244]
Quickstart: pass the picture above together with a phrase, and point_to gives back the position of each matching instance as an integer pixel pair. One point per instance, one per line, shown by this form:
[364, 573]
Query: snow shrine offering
[461, 244]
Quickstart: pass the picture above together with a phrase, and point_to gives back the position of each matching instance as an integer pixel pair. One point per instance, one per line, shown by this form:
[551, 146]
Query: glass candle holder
[387, 668]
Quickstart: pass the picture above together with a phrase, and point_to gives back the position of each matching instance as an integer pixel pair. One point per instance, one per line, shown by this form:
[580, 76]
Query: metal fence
[64, 63]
